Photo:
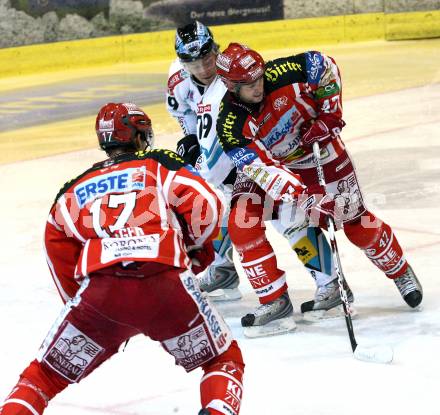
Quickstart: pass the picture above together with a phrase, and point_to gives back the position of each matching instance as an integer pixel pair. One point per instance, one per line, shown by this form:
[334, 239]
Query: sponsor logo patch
[203, 108]
[315, 67]
[133, 109]
[242, 156]
[214, 323]
[224, 62]
[106, 125]
[72, 353]
[247, 62]
[274, 71]
[145, 246]
[175, 79]
[327, 91]
[191, 349]
[305, 250]
[118, 181]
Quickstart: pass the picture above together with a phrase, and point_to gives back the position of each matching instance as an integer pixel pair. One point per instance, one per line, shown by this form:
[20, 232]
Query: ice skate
[410, 288]
[221, 282]
[270, 319]
[327, 303]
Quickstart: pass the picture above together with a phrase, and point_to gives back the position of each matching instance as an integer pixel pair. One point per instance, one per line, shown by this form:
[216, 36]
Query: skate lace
[405, 284]
[325, 291]
[208, 277]
[263, 309]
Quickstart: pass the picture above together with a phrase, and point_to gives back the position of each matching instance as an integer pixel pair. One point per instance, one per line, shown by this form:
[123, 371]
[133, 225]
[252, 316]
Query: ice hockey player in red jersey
[194, 95]
[137, 225]
[269, 119]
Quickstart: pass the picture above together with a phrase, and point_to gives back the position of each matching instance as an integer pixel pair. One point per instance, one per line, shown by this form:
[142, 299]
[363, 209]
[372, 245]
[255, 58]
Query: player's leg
[247, 232]
[365, 230]
[313, 250]
[190, 328]
[221, 279]
[78, 342]
[376, 238]
[222, 382]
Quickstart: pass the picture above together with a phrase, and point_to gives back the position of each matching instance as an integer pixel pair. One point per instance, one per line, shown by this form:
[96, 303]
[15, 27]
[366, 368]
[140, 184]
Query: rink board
[154, 46]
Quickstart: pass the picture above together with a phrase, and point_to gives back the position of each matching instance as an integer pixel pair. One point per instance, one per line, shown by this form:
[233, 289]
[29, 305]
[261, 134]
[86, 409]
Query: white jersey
[196, 106]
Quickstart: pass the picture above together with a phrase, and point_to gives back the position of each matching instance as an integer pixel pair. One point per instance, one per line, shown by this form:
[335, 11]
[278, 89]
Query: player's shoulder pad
[231, 121]
[168, 158]
[315, 66]
[72, 182]
[284, 71]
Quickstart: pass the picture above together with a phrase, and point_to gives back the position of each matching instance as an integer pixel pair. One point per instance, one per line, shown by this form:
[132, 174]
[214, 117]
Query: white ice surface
[394, 139]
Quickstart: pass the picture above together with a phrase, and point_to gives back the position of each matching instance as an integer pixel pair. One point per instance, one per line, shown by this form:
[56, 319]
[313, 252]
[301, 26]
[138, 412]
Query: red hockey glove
[319, 205]
[201, 257]
[323, 129]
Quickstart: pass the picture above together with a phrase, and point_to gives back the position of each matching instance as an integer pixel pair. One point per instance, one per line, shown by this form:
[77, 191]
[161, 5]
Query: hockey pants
[163, 303]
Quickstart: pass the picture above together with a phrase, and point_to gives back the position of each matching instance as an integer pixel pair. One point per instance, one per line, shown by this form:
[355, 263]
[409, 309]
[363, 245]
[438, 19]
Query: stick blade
[377, 354]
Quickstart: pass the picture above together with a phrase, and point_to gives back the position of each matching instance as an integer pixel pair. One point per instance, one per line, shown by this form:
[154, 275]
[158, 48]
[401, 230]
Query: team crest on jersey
[119, 181]
[279, 103]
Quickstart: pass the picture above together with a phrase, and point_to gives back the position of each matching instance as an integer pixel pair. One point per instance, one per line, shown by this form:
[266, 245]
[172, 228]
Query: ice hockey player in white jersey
[194, 94]
[193, 98]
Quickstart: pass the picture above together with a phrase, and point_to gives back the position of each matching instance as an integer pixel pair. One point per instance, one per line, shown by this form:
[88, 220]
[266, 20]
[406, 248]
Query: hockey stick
[377, 354]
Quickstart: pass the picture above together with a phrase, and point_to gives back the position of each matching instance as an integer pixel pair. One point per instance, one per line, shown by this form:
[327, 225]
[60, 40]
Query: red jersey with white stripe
[144, 206]
[298, 89]
[263, 139]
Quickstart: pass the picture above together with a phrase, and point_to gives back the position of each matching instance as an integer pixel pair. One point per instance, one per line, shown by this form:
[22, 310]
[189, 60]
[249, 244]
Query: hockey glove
[201, 257]
[188, 148]
[319, 205]
[323, 129]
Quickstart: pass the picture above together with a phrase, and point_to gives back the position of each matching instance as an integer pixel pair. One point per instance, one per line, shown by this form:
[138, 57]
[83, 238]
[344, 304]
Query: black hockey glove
[188, 148]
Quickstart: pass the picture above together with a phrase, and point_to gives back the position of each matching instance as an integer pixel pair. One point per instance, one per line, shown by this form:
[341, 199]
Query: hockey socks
[221, 387]
[25, 399]
[377, 240]
[36, 387]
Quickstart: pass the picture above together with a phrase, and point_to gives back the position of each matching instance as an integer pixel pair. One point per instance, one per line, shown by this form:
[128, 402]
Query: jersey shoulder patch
[284, 71]
[175, 79]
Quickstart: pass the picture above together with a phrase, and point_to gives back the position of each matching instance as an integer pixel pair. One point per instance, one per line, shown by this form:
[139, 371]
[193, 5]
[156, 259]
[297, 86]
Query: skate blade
[274, 328]
[334, 313]
[229, 294]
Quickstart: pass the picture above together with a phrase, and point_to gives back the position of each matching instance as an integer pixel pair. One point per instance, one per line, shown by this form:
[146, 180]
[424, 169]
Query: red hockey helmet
[238, 64]
[117, 125]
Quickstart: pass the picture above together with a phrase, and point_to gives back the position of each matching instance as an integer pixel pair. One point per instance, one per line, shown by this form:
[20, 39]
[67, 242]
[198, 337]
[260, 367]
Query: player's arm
[199, 210]
[62, 253]
[236, 132]
[177, 105]
[197, 203]
[324, 80]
